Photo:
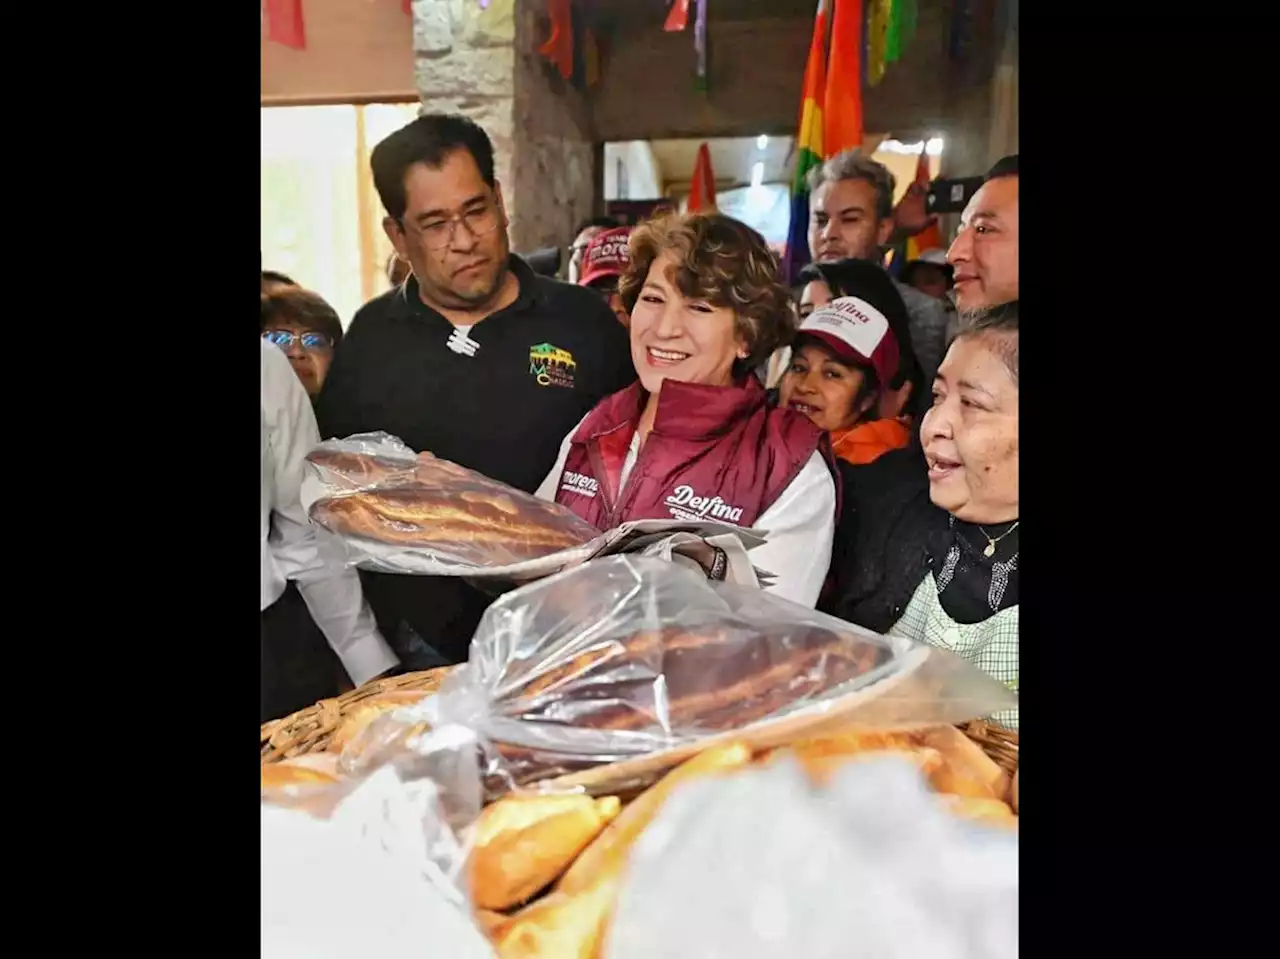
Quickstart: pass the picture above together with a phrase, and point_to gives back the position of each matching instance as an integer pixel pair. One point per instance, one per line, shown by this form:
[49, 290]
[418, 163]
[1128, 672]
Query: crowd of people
[867, 423]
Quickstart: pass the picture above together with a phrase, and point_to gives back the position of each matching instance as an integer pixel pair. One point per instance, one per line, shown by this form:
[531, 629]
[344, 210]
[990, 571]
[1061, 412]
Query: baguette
[523, 843]
[993, 811]
[953, 763]
[563, 925]
[491, 923]
[822, 766]
[293, 775]
[611, 846]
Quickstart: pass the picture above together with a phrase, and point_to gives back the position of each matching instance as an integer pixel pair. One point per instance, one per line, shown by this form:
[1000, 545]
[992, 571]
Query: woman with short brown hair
[308, 330]
[695, 436]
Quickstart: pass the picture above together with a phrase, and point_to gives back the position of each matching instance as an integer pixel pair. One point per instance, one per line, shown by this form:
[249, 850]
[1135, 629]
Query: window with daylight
[321, 218]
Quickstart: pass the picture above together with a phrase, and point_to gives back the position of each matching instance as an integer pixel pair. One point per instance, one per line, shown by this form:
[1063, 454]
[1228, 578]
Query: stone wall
[484, 63]
[555, 160]
[464, 63]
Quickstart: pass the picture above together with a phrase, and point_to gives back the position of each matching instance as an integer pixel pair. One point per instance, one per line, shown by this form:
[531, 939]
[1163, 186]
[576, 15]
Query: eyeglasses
[286, 338]
[439, 233]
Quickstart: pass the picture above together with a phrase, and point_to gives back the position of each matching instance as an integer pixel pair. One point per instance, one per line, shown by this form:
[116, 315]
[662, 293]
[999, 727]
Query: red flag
[678, 17]
[284, 23]
[559, 46]
[702, 191]
[842, 105]
[930, 237]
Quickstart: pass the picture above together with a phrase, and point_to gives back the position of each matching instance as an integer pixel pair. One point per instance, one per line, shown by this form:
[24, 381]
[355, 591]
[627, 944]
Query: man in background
[309, 596]
[985, 252]
[585, 233]
[606, 258]
[851, 217]
[449, 361]
[930, 274]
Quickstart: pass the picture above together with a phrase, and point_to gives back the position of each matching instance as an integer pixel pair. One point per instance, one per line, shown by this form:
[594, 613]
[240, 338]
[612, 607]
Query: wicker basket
[310, 729]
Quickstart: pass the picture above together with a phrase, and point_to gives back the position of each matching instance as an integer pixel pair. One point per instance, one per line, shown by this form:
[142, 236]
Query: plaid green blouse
[991, 645]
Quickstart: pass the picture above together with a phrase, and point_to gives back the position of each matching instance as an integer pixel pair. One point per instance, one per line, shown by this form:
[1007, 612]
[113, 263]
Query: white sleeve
[305, 553]
[547, 489]
[801, 528]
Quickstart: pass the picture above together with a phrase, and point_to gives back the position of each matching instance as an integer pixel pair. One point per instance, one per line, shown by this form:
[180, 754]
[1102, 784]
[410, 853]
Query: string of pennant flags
[285, 24]
[574, 48]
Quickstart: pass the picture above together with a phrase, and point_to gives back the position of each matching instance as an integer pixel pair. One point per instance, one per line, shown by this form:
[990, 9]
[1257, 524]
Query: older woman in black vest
[927, 546]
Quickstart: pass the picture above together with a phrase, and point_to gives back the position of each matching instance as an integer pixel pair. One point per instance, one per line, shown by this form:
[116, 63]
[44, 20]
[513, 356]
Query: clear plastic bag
[605, 676]
[758, 864]
[378, 875]
[402, 512]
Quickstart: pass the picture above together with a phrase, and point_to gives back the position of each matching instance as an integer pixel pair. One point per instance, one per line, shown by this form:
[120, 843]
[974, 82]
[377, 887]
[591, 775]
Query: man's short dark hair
[306, 309]
[602, 222]
[271, 276]
[1005, 166]
[429, 139]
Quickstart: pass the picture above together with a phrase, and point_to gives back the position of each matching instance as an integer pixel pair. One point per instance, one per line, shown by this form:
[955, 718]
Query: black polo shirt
[538, 367]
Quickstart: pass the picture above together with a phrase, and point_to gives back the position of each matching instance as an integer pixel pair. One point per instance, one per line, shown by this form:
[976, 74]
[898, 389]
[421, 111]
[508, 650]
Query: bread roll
[992, 811]
[490, 922]
[523, 843]
[612, 845]
[309, 783]
[361, 714]
[966, 769]
[821, 765]
[294, 775]
[563, 926]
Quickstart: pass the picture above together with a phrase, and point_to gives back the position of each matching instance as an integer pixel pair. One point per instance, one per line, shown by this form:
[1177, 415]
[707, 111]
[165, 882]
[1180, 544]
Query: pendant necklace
[991, 543]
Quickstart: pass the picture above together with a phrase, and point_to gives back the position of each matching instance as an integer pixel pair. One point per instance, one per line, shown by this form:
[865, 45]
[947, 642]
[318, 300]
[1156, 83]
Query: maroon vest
[718, 453]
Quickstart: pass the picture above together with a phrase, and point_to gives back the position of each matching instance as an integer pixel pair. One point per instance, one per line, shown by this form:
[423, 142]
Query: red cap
[606, 255]
[856, 331]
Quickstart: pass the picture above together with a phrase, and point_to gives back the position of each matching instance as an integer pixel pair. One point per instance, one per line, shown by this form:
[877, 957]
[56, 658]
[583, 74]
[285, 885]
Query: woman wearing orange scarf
[849, 369]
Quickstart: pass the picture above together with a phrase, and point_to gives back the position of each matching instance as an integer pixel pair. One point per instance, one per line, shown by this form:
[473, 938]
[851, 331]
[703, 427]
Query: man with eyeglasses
[451, 361]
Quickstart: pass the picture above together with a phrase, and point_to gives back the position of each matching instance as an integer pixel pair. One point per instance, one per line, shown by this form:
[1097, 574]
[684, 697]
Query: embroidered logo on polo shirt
[551, 366]
[572, 482]
[684, 504]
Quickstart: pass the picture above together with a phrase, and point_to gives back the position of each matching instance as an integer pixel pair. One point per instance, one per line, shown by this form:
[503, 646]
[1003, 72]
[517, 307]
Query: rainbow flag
[808, 145]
